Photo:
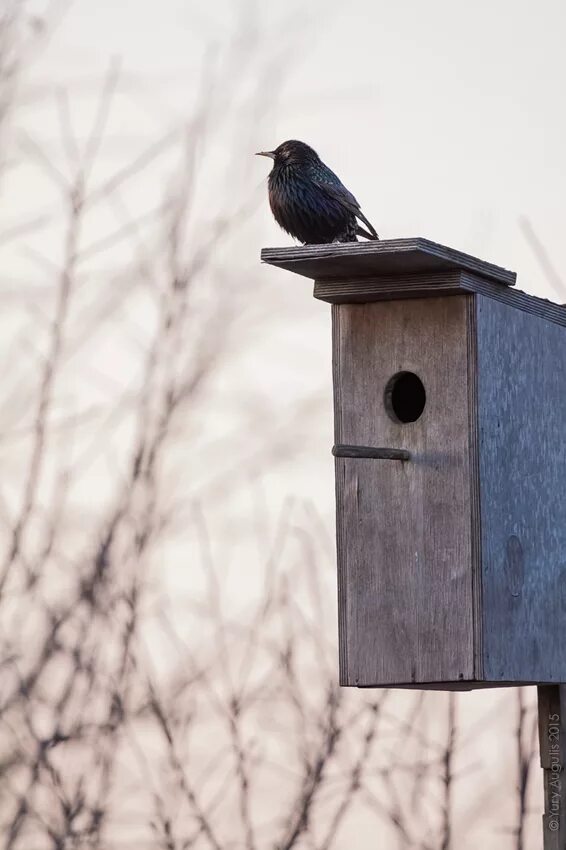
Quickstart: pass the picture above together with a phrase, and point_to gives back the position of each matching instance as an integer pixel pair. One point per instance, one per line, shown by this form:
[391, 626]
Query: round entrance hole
[405, 397]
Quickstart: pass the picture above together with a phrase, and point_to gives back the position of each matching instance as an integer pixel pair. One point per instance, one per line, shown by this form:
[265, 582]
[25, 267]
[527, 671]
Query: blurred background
[168, 663]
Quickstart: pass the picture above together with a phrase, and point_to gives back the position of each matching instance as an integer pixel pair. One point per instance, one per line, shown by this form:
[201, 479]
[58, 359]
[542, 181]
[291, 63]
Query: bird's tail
[361, 232]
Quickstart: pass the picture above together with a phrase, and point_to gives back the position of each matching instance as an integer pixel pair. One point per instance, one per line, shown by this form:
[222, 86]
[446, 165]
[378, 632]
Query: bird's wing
[334, 188]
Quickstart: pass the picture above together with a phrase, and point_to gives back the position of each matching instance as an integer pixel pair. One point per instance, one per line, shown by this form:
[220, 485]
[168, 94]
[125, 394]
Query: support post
[552, 740]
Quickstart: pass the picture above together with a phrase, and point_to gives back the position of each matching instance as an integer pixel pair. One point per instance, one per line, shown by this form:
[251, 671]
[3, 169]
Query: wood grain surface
[386, 257]
[405, 554]
[522, 452]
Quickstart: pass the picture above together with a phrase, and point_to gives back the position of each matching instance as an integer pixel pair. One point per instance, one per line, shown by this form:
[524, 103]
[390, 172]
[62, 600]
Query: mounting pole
[552, 739]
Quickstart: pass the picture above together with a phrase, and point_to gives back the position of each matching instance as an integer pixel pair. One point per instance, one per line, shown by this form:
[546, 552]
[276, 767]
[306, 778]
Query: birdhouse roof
[381, 258]
[361, 272]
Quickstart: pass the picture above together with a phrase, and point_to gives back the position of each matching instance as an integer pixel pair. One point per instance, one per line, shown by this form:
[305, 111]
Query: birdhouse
[450, 461]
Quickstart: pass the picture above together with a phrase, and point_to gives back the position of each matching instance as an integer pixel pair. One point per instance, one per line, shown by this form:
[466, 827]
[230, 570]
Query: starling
[309, 201]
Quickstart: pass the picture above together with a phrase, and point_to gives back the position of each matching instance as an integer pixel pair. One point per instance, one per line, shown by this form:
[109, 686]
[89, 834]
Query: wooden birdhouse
[450, 432]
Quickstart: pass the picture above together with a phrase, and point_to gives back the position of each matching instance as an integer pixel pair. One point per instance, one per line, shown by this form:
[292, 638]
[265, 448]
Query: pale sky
[445, 118]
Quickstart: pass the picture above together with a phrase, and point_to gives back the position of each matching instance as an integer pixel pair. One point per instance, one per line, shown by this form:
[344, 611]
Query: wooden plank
[467, 685]
[522, 452]
[342, 542]
[403, 528]
[369, 289]
[552, 742]
[386, 257]
[541, 307]
[474, 477]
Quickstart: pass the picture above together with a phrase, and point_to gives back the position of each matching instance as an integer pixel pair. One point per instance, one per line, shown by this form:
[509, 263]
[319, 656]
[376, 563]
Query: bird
[309, 201]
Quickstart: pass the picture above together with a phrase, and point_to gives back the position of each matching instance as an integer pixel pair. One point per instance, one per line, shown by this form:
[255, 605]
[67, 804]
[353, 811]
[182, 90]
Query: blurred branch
[525, 743]
[299, 819]
[47, 380]
[448, 773]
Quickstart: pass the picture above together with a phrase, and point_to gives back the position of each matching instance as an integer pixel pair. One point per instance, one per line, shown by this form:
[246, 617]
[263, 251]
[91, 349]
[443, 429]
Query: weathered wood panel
[405, 552]
[367, 289]
[522, 450]
[541, 307]
[388, 287]
[386, 257]
[474, 472]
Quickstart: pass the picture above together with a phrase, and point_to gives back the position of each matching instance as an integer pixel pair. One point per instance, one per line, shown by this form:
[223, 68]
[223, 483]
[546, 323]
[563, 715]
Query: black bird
[309, 201]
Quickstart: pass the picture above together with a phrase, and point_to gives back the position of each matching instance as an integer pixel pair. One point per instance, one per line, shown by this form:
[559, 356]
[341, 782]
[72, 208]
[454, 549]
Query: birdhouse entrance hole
[405, 397]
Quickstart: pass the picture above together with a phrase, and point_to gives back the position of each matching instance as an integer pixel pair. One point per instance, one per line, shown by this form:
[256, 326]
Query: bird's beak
[270, 154]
